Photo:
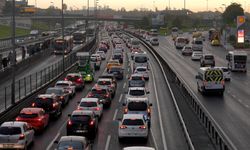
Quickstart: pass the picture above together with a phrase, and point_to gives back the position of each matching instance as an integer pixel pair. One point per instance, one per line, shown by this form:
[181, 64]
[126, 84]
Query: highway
[165, 131]
[232, 110]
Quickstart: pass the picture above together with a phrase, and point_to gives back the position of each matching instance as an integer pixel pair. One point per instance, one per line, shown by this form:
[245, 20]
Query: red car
[36, 117]
[77, 79]
[102, 93]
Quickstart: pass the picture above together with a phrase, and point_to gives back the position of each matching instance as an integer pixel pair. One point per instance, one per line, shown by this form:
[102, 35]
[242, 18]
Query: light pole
[63, 49]
[13, 56]
[184, 4]
[207, 5]
[87, 14]
[169, 5]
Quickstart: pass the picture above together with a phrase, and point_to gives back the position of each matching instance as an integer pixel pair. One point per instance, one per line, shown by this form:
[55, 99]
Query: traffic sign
[240, 20]
[241, 36]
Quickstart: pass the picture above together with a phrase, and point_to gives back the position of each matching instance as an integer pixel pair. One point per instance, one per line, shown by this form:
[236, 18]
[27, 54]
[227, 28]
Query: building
[2, 4]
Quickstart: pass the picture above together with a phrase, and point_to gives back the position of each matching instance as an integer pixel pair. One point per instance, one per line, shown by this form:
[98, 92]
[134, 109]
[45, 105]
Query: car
[105, 42]
[102, 93]
[118, 56]
[76, 79]
[102, 54]
[137, 92]
[96, 61]
[73, 142]
[138, 148]
[154, 41]
[112, 63]
[196, 55]
[83, 123]
[93, 104]
[68, 87]
[226, 73]
[109, 76]
[16, 135]
[133, 126]
[142, 70]
[35, 117]
[119, 46]
[117, 71]
[118, 50]
[187, 51]
[103, 47]
[207, 60]
[60, 93]
[147, 38]
[50, 103]
[136, 80]
[107, 82]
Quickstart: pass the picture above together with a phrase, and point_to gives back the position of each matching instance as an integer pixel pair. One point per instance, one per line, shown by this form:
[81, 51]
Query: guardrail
[34, 82]
[217, 135]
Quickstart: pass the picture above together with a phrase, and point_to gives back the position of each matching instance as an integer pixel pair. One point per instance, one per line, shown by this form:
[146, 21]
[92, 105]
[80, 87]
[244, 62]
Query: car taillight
[33, 104]
[79, 80]
[65, 79]
[69, 123]
[79, 108]
[17, 119]
[126, 110]
[222, 82]
[142, 127]
[123, 127]
[96, 109]
[61, 97]
[54, 105]
[107, 95]
[148, 110]
[90, 95]
[91, 123]
[21, 136]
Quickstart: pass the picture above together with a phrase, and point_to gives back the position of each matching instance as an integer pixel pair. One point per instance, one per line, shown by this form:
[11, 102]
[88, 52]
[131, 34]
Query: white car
[226, 73]
[133, 125]
[196, 55]
[93, 104]
[154, 41]
[102, 54]
[138, 148]
[148, 38]
[142, 70]
[137, 92]
[187, 50]
[15, 135]
[68, 86]
[95, 57]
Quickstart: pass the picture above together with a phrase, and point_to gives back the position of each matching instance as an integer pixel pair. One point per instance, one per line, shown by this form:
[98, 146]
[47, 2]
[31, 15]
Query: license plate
[8, 145]
[81, 131]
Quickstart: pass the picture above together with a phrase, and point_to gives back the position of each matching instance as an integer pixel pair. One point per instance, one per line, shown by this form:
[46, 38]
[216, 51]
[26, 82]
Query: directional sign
[241, 35]
[240, 20]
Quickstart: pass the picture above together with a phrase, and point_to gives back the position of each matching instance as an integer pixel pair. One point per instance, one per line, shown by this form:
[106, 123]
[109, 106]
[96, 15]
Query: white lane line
[240, 100]
[107, 142]
[247, 106]
[115, 114]
[234, 96]
[156, 146]
[159, 112]
[120, 99]
[126, 76]
[128, 69]
[124, 85]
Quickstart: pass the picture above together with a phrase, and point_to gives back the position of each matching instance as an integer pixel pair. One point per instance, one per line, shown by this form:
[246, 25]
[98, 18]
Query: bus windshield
[240, 59]
[141, 59]
[59, 45]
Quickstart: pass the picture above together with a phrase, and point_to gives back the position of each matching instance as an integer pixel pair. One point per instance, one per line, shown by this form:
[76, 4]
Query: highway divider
[217, 135]
[28, 87]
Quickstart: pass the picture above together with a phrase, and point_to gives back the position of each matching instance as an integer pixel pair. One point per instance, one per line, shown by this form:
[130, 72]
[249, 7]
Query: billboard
[241, 36]
[240, 20]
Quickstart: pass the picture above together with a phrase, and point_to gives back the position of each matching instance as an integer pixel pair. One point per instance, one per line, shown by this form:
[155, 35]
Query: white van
[140, 60]
[180, 42]
[197, 44]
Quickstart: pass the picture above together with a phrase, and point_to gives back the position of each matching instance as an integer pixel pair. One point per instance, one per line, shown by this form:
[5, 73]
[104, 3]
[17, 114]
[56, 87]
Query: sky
[194, 5]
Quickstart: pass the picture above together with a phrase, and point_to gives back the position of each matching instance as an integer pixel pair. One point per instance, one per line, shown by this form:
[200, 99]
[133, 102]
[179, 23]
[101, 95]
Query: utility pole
[207, 5]
[87, 14]
[184, 4]
[13, 56]
[63, 49]
[169, 5]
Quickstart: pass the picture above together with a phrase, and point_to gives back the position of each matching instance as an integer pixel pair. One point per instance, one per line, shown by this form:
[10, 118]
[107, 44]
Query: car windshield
[67, 145]
[136, 78]
[104, 83]
[54, 91]
[198, 42]
[113, 69]
[209, 57]
[240, 59]
[10, 130]
[72, 78]
[136, 92]
[88, 104]
[43, 102]
[141, 59]
[117, 56]
[137, 106]
[80, 118]
[25, 115]
[133, 122]
[141, 69]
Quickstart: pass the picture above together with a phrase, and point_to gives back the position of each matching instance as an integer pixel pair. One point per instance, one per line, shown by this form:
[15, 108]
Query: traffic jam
[82, 124]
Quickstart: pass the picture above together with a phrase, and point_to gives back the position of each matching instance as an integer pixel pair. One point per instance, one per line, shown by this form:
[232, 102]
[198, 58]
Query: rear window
[43, 102]
[104, 83]
[101, 91]
[10, 130]
[80, 118]
[198, 42]
[115, 69]
[137, 106]
[141, 69]
[141, 59]
[70, 145]
[88, 104]
[24, 115]
[136, 78]
[209, 57]
[225, 69]
[136, 92]
[133, 122]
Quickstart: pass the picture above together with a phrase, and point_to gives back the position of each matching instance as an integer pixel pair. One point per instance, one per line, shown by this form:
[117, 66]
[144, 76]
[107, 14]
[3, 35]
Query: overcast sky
[194, 5]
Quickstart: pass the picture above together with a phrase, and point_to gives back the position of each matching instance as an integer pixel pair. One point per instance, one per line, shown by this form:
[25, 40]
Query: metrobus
[79, 37]
[180, 42]
[237, 60]
[63, 46]
[174, 32]
[140, 60]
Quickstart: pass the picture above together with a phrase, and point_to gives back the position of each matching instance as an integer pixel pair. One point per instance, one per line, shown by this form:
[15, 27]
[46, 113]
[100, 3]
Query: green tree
[232, 11]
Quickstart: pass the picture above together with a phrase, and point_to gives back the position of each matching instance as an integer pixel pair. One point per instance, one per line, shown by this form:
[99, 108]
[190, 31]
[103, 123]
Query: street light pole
[184, 4]
[13, 56]
[63, 35]
[87, 13]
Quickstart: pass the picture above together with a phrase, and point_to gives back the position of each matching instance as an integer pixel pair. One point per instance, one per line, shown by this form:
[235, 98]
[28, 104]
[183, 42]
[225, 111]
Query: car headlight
[89, 75]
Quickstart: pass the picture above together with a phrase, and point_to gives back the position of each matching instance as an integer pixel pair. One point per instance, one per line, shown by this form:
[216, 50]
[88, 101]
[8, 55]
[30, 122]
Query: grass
[41, 26]
[5, 31]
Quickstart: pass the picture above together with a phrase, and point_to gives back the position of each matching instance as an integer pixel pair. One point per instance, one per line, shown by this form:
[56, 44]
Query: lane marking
[124, 85]
[240, 100]
[156, 146]
[107, 142]
[120, 99]
[52, 142]
[159, 112]
[128, 69]
[115, 114]
[247, 106]
[127, 76]
[234, 96]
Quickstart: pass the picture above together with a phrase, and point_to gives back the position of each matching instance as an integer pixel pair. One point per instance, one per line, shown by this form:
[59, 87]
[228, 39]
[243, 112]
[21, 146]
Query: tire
[145, 139]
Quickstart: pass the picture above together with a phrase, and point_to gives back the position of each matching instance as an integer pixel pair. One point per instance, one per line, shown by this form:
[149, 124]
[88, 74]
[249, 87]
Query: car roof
[137, 75]
[137, 99]
[104, 79]
[46, 95]
[55, 88]
[208, 55]
[31, 110]
[95, 55]
[138, 148]
[13, 124]
[136, 88]
[73, 138]
[62, 81]
[113, 61]
[73, 74]
[89, 100]
[82, 112]
[98, 87]
[134, 116]
[116, 67]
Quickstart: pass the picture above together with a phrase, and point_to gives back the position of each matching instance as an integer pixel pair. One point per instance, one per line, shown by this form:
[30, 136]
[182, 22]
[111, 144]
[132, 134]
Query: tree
[231, 13]
[65, 6]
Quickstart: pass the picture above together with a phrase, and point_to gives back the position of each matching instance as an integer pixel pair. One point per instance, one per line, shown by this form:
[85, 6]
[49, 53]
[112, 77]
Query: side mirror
[69, 115]
[78, 102]
[123, 104]
[197, 77]
[148, 92]
[56, 142]
[150, 104]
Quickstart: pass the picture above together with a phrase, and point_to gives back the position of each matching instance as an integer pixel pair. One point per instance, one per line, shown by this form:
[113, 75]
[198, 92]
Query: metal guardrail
[33, 82]
[217, 135]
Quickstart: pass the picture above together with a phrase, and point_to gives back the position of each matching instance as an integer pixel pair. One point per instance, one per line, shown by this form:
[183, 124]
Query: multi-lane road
[232, 110]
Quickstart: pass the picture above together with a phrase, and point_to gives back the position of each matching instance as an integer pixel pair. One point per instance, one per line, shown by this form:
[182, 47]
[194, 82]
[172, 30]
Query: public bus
[63, 46]
[79, 37]
[174, 32]
[180, 42]
[237, 60]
